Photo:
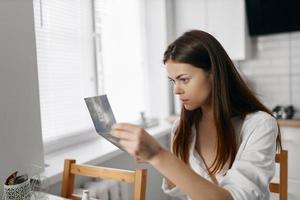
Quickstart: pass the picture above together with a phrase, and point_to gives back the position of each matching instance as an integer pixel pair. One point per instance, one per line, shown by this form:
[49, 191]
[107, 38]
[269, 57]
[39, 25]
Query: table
[53, 197]
[46, 196]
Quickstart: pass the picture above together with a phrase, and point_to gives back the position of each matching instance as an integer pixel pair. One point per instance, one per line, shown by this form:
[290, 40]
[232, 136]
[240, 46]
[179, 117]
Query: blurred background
[54, 53]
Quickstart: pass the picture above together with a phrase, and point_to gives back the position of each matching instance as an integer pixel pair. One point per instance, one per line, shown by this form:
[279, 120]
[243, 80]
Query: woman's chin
[189, 107]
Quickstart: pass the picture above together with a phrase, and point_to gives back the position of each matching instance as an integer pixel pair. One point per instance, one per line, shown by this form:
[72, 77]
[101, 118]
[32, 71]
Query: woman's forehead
[175, 68]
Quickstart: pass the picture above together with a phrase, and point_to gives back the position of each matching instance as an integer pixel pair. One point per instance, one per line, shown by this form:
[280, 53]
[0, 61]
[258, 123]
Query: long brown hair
[230, 96]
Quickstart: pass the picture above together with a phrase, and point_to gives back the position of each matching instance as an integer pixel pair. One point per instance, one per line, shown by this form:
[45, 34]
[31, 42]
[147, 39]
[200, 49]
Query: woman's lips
[184, 100]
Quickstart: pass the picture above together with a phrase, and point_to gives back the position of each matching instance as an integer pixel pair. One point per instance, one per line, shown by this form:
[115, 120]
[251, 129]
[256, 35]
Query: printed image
[102, 116]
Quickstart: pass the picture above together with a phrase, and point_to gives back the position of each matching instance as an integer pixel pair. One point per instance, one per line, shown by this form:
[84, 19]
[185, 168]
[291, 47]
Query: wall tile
[296, 90]
[296, 65]
[274, 70]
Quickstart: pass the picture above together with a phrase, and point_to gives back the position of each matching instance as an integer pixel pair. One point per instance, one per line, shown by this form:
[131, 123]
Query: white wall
[274, 58]
[20, 130]
[217, 17]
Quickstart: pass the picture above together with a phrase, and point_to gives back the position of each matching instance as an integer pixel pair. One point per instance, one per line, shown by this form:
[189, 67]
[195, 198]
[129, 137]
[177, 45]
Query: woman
[224, 144]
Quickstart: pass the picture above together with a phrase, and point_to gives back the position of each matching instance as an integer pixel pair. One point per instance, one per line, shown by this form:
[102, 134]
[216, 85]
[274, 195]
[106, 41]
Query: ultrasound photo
[102, 117]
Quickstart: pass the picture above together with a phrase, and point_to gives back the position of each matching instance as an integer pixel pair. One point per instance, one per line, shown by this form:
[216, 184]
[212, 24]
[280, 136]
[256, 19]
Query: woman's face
[193, 85]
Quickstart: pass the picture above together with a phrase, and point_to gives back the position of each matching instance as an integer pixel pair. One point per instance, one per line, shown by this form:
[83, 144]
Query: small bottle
[85, 195]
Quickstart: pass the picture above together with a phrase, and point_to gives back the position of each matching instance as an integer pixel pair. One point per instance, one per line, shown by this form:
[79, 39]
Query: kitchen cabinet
[226, 20]
[290, 131]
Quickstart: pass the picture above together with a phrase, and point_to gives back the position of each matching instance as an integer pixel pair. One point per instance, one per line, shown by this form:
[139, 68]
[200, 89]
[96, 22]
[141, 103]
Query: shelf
[289, 122]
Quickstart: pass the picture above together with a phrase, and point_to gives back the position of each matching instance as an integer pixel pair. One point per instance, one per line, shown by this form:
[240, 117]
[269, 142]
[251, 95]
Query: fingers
[125, 127]
[127, 131]
[123, 135]
[135, 140]
[126, 144]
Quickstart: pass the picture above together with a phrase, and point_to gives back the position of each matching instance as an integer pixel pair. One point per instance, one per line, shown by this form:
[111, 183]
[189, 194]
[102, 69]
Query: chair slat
[137, 177]
[274, 187]
[103, 173]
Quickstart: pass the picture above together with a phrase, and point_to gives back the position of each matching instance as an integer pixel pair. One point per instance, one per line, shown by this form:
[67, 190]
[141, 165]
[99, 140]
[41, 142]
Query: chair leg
[140, 184]
[283, 176]
[68, 179]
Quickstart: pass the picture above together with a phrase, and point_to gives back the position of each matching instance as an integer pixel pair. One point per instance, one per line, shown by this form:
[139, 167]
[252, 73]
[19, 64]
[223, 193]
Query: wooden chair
[282, 187]
[138, 178]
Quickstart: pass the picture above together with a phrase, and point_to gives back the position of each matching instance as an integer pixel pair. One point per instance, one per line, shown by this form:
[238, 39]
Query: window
[87, 48]
[120, 44]
[65, 65]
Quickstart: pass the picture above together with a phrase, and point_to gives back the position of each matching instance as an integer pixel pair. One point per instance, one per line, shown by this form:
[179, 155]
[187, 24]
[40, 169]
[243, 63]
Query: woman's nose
[177, 89]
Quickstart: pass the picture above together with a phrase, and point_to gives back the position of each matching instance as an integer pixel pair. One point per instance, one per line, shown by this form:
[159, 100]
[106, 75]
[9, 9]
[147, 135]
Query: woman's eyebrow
[178, 77]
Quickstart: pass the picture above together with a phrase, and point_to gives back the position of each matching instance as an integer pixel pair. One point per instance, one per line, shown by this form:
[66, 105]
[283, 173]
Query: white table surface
[46, 196]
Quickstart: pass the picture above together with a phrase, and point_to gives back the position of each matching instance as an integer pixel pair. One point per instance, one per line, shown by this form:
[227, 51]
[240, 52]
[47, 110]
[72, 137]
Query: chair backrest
[282, 186]
[138, 178]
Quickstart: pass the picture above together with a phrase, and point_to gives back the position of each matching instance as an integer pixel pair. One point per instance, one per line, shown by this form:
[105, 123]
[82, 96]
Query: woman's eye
[184, 80]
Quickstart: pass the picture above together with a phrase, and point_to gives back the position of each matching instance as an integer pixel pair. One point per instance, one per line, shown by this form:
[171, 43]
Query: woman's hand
[136, 141]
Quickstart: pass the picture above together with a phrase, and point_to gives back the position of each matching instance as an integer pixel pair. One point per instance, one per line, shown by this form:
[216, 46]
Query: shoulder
[259, 118]
[259, 115]
[258, 125]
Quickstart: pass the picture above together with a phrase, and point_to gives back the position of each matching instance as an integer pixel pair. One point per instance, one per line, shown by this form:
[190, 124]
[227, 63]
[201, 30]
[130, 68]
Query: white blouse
[254, 164]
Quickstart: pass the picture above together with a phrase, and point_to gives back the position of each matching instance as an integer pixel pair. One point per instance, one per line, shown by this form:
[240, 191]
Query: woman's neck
[207, 123]
[207, 114]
